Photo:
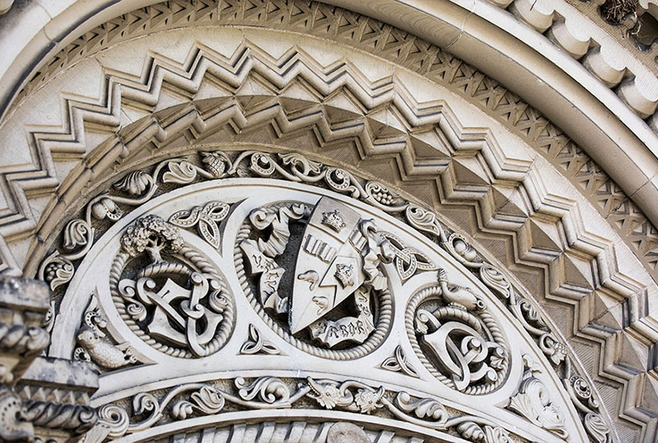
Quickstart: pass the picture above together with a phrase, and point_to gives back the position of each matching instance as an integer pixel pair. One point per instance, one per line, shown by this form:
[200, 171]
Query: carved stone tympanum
[331, 299]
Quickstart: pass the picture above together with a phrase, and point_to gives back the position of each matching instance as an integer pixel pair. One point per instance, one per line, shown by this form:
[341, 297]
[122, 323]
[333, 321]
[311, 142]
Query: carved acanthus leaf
[533, 402]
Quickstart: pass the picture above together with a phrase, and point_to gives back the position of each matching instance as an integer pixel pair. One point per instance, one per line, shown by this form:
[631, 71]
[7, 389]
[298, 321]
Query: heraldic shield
[340, 252]
[339, 255]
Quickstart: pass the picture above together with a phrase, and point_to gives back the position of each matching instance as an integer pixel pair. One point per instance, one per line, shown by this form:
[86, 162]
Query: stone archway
[222, 101]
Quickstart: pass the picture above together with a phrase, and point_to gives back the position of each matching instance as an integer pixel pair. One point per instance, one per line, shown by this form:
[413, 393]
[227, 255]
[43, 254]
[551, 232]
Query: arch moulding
[299, 221]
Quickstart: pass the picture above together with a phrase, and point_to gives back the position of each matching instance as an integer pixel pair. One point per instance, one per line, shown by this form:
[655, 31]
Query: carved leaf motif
[496, 281]
[596, 427]
[423, 408]
[56, 271]
[210, 232]
[77, 234]
[423, 220]
[471, 431]
[329, 393]
[182, 172]
[182, 409]
[296, 161]
[145, 402]
[134, 183]
[268, 389]
[207, 400]
[533, 402]
[497, 435]
[460, 249]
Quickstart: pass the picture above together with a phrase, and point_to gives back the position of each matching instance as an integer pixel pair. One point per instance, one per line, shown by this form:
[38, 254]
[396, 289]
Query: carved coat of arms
[339, 256]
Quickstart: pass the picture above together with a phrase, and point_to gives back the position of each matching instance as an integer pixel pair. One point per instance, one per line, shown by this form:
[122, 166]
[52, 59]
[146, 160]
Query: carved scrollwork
[199, 399]
[176, 300]
[207, 400]
[533, 402]
[459, 341]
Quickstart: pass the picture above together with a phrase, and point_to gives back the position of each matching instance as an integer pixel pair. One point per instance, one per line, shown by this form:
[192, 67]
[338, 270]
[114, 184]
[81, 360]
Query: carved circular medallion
[457, 338]
[315, 275]
[170, 295]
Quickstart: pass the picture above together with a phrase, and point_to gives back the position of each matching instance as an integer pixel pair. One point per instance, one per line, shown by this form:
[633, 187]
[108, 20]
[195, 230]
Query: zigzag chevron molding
[566, 232]
[368, 35]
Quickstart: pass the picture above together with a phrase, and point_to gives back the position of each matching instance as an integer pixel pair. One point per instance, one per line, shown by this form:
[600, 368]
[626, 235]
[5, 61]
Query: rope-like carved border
[225, 329]
[383, 321]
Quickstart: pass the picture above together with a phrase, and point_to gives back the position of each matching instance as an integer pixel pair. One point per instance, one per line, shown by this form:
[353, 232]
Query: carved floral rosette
[357, 322]
[457, 338]
[169, 294]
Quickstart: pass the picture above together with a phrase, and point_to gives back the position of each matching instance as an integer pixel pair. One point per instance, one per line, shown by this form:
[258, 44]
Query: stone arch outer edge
[119, 148]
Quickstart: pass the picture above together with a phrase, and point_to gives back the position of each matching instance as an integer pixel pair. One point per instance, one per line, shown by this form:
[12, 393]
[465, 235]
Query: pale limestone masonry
[328, 221]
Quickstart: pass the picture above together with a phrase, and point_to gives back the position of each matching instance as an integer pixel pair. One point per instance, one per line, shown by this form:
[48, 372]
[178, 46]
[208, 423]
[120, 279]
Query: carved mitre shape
[339, 291]
[457, 338]
[168, 292]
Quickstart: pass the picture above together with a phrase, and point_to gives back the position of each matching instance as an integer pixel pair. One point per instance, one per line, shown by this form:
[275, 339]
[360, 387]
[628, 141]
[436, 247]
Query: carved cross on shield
[330, 263]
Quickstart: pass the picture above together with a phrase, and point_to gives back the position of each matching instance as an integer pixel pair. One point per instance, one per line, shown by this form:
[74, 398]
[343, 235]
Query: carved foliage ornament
[267, 392]
[534, 403]
[168, 293]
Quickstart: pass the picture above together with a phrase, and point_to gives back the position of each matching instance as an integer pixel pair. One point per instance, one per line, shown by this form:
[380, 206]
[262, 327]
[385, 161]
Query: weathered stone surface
[292, 221]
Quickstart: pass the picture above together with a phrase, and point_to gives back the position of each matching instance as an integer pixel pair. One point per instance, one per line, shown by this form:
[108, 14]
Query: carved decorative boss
[168, 293]
[337, 280]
